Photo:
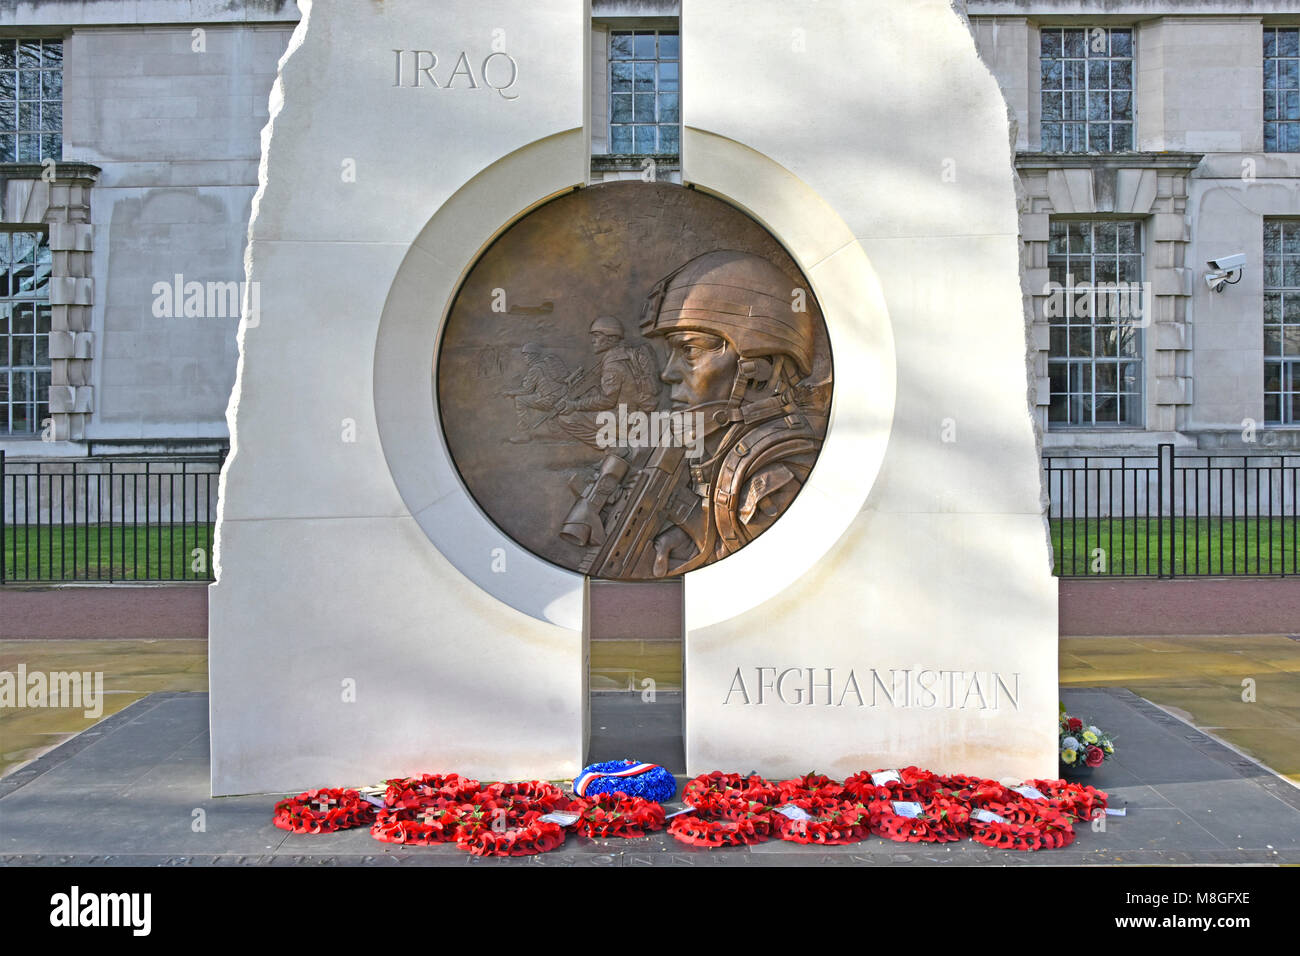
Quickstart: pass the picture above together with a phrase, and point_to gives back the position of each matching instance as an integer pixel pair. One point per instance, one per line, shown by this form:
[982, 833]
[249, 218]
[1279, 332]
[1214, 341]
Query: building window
[1281, 90]
[1282, 322]
[1095, 311]
[24, 332]
[31, 100]
[644, 92]
[1087, 90]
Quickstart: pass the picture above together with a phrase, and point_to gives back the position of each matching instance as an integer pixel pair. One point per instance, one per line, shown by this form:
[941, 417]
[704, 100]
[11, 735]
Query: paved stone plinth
[126, 792]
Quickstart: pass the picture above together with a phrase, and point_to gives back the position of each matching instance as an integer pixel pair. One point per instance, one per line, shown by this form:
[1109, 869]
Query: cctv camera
[1228, 263]
[1224, 268]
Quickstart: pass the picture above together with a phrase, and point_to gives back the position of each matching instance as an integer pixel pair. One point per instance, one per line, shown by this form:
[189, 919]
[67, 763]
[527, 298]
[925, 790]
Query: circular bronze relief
[634, 380]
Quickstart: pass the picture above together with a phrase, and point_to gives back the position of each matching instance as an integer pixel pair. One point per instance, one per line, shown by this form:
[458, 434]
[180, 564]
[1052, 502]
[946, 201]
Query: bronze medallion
[634, 380]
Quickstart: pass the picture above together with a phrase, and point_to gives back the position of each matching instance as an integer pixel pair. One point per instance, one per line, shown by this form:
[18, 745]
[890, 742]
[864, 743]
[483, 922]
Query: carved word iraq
[498, 71]
[678, 489]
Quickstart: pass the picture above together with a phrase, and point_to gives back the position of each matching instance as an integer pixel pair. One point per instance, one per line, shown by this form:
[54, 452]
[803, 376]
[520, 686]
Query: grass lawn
[1190, 546]
[109, 553]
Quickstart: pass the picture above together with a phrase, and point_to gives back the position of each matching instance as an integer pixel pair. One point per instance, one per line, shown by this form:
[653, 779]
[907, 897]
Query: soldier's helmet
[736, 295]
[608, 325]
[531, 348]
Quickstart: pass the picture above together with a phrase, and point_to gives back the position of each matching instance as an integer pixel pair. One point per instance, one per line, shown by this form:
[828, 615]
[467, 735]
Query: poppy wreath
[743, 828]
[1025, 825]
[942, 820]
[323, 811]
[416, 823]
[960, 786]
[528, 795]
[913, 784]
[1076, 800]
[529, 835]
[452, 787]
[605, 815]
[709, 792]
[809, 785]
[830, 822]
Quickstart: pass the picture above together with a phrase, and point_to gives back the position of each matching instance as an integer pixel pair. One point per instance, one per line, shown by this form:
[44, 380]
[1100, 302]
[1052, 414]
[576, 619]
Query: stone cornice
[1134, 160]
[63, 171]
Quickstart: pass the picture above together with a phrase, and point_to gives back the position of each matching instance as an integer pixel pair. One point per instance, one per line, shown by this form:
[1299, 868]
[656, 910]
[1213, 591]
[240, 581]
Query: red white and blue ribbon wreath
[646, 780]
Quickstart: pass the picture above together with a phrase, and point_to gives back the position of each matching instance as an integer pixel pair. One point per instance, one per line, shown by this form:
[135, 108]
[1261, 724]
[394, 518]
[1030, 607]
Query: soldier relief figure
[744, 430]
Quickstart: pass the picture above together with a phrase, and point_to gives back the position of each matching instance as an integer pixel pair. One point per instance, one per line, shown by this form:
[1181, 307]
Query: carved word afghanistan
[419, 69]
[835, 687]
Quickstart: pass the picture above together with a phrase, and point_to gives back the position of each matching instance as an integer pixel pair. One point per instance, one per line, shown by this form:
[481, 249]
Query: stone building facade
[1150, 136]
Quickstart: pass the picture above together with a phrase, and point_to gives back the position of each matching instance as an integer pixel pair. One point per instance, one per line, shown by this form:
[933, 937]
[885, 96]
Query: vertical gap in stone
[635, 671]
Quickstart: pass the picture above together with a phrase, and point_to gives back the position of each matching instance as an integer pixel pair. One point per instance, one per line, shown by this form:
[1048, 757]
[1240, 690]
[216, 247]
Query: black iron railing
[107, 519]
[1168, 515]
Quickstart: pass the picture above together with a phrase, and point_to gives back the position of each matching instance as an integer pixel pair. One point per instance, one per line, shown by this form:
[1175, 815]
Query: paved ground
[128, 791]
[131, 670]
[1183, 606]
[1122, 608]
[104, 611]
[1244, 690]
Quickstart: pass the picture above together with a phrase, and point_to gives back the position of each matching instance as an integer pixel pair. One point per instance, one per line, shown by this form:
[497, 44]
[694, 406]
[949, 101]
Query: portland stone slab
[346, 643]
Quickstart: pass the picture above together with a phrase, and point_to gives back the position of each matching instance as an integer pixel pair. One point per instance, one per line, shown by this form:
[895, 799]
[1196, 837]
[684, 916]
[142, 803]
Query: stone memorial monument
[478, 381]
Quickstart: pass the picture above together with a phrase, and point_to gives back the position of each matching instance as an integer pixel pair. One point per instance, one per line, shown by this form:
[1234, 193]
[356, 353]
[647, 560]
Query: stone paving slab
[127, 791]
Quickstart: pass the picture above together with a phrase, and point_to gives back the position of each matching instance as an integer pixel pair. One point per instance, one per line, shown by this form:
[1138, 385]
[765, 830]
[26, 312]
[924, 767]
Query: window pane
[668, 108]
[668, 76]
[644, 48]
[52, 54]
[1052, 72]
[643, 107]
[1273, 340]
[621, 107]
[669, 46]
[29, 54]
[646, 139]
[620, 77]
[669, 139]
[644, 76]
[8, 55]
[620, 46]
[620, 139]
